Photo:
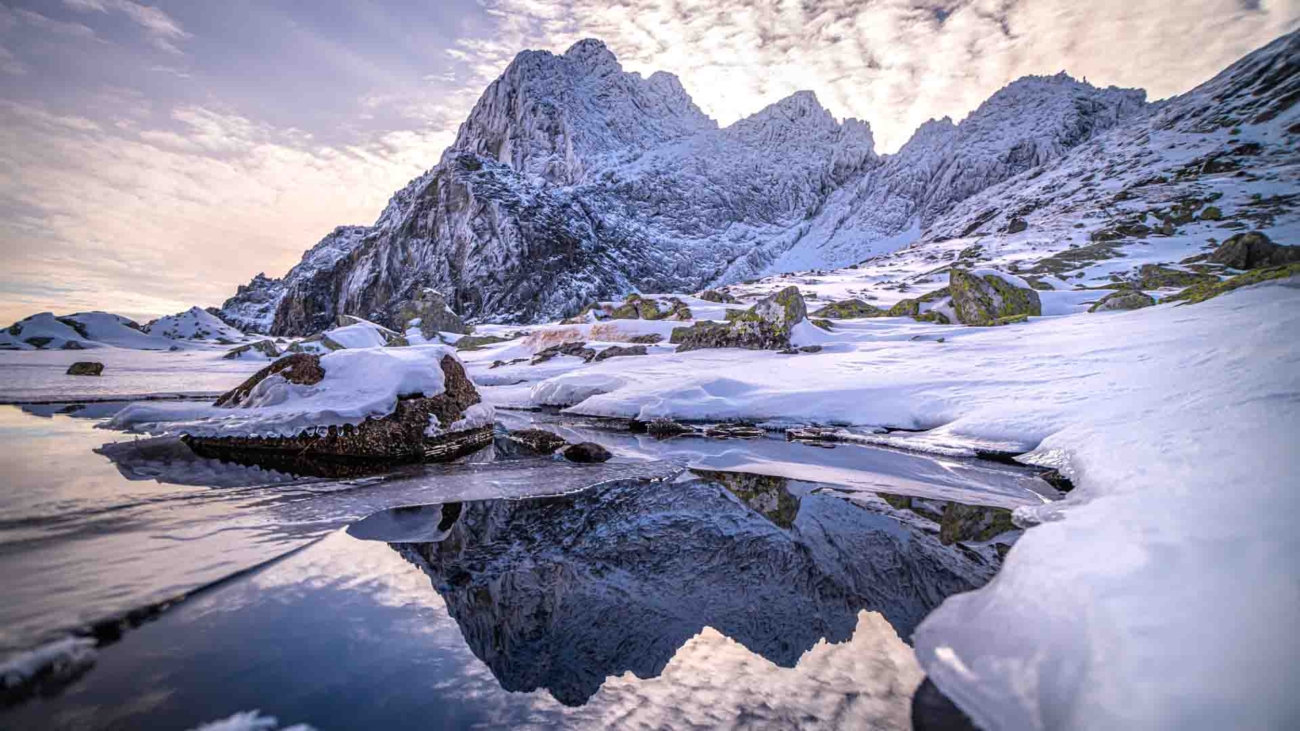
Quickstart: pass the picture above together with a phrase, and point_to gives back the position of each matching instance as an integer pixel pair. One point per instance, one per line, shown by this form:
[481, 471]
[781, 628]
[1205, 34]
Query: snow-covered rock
[80, 331]
[395, 403]
[193, 324]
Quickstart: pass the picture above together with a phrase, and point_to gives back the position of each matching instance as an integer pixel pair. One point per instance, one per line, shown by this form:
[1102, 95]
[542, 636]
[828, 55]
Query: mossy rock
[765, 326]
[973, 523]
[1076, 258]
[721, 297]
[933, 316]
[1038, 284]
[1253, 250]
[478, 342]
[1203, 291]
[1211, 213]
[905, 308]
[1154, 276]
[1124, 299]
[990, 300]
[849, 310]
[821, 323]
[1016, 225]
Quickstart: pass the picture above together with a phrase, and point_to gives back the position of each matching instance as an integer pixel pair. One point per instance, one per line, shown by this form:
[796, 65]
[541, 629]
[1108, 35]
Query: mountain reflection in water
[563, 592]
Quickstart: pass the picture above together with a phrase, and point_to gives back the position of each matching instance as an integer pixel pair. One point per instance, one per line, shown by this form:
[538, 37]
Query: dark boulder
[86, 368]
[719, 296]
[1253, 250]
[586, 452]
[619, 351]
[537, 440]
[265, 347]
[1124, 299]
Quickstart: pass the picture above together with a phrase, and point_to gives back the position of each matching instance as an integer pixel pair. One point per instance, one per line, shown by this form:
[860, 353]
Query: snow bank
[250, 721]
[1159, 592]
[63, 657]
[358, 384]
[359, 335]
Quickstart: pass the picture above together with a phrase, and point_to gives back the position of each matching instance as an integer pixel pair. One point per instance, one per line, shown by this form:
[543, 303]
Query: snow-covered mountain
[572, 181]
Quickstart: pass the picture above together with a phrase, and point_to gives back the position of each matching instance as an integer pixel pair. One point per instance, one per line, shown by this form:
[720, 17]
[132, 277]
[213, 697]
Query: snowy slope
[83, 330]
[573, 180]
[1152, 596]
[193, 324]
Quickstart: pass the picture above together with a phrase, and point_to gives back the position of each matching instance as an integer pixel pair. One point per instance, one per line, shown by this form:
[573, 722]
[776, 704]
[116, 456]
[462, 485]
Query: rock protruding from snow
[429, 311]
[86, 368]
[195, 323]
[1253, 250]
[767, 325]
[985, 297]
[1124, 299]
[424, 419]
[259, 349]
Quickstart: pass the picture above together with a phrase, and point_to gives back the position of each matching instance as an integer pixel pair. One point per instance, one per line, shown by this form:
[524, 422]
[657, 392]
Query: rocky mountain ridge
[573, 181]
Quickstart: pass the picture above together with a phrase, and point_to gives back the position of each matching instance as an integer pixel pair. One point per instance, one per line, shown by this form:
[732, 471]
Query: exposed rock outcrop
[86, 368]
[586, 452]
[989, 298]
[1253, 250]
[1123, 299]
[849, 309]
[433, 313]
[765, 326]
[264, 348]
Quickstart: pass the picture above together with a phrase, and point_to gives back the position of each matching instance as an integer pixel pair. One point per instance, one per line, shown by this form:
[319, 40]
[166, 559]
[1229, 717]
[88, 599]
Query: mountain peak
[591, 52]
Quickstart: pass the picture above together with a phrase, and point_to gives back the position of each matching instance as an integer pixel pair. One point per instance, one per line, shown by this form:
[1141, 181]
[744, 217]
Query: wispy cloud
[117, 161]
[895, 63]
[164, 31]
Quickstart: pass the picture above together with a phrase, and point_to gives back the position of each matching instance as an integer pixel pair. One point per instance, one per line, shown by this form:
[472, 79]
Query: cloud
[895, 63]
[153, 221]
[164, 31]
[58, 27]
[10, 64]
[114, 166]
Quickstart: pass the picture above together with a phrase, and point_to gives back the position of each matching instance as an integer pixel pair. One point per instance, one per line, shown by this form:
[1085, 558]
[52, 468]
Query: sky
[156, 156]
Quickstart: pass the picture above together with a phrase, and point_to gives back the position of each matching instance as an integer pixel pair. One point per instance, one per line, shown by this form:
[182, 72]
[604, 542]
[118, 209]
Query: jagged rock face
[435, 316]
[668, 560]
[573, 181]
